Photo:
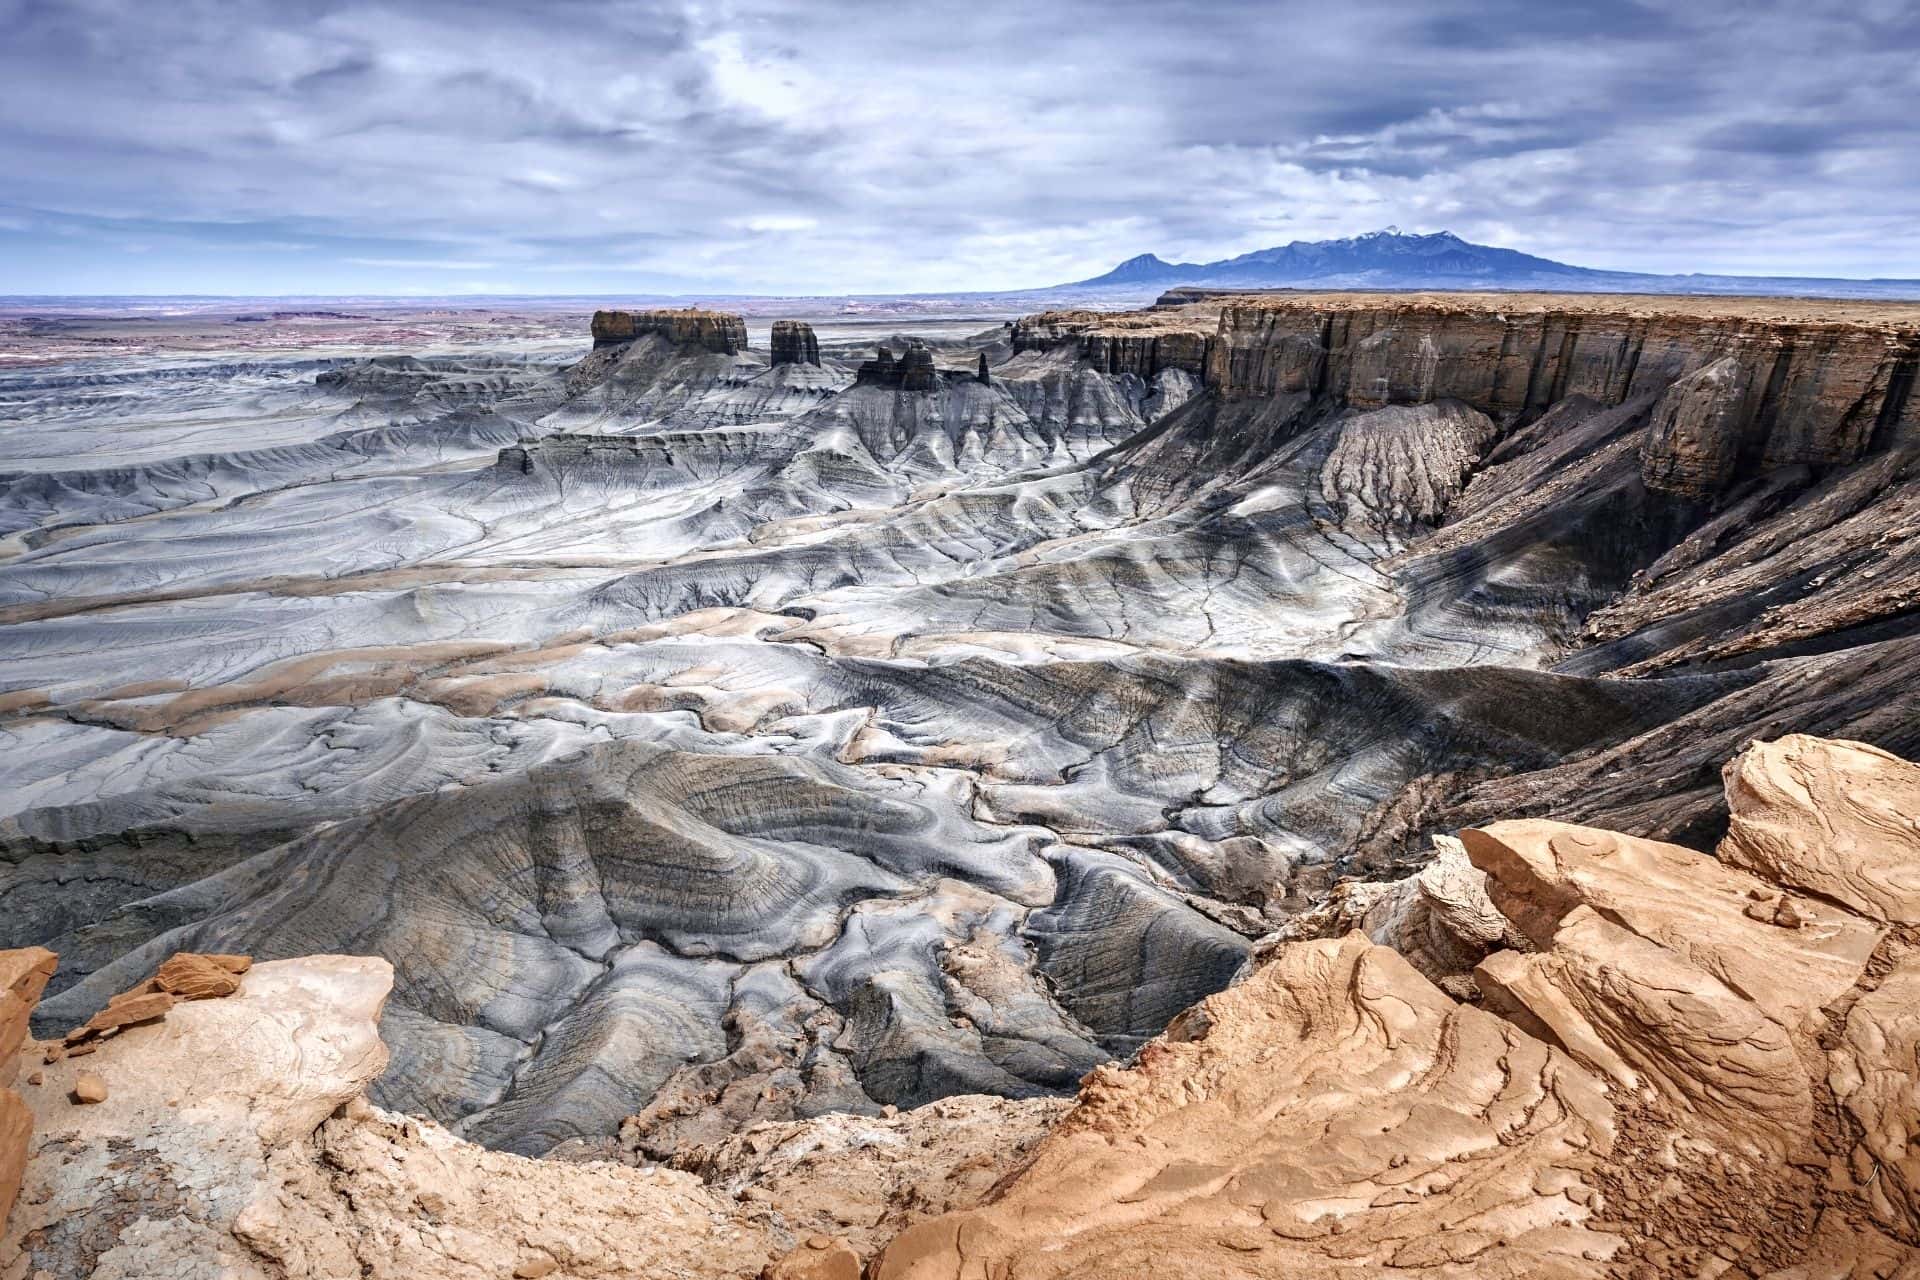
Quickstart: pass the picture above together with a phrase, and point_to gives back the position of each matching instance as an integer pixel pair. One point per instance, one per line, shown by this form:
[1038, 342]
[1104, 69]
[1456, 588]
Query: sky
[787, 146]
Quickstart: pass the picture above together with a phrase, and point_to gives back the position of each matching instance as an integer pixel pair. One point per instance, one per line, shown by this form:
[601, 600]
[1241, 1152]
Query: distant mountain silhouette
[1383, 259]
[1390, 259]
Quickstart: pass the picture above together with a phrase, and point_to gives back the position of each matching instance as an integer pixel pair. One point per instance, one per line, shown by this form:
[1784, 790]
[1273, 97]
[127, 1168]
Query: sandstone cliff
[23, 976]
[1734, 386]
[717, 331]
[793, 343]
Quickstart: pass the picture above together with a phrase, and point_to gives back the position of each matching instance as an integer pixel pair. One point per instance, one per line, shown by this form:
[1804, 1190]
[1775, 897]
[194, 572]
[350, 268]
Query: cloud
[771, 145]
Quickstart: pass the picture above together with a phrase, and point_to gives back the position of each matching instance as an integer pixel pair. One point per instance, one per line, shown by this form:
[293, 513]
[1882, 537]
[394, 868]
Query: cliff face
[1728, 391]
[719, 331]
[23, 976]
[1141, 343]
[1780, 392]
[794, 343]
[913, 371]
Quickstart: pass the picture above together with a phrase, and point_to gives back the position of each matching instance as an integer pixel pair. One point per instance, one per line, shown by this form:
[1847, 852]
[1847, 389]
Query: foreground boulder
[218, 1151]
[1833, 819]
[1695, 1071]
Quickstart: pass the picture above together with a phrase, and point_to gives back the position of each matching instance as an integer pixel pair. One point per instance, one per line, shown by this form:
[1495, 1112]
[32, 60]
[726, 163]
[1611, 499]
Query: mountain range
[1391, 259]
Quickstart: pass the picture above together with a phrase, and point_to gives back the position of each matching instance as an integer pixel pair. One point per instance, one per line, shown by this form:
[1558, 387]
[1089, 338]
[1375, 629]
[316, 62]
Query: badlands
[1233, 788]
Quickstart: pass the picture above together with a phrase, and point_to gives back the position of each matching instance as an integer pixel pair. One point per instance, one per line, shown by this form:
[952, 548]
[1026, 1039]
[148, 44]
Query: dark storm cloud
[249, 145]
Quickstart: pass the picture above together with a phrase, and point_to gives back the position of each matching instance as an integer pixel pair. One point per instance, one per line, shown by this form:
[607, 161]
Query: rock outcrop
[864, 1179]
[1860, 853]
[184, 976]
[1439, 919]
[793, 343]
[913, 371]
[23, 976]
[717, 331]
[1681, 1078]
[740, 744]
[232, 1140]
[1738, 385]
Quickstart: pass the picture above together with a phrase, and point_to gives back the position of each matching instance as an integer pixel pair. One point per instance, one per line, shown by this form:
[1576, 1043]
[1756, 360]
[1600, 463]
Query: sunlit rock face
[1671, 1066]
[685, 719]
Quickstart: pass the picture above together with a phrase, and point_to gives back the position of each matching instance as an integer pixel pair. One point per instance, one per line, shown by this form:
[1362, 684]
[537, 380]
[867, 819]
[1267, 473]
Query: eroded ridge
[1691, 1070]
[712, 734]
[1678, 1068]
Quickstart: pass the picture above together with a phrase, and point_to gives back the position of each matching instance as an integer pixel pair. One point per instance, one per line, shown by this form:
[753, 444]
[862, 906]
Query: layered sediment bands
[1822, 387]
[718, 331]
[711, 742]
[793, 343]
[659, 460]
[1672, 1065]
[1782, 393]
[567, 940]
[1142, 346]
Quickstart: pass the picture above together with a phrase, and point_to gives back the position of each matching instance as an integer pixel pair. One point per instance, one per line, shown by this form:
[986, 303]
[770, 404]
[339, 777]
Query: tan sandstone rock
[16, 1134]
[1681, 900]
[1839, 819]
[1692, 1073]
[1872, 1074]
[1643, 1095]
[816, 1258]
[24, 973]
[863, 1179]
[1440, 918]
[214, 1155]
[1340, 1115]
[200, 977]
[23, 976]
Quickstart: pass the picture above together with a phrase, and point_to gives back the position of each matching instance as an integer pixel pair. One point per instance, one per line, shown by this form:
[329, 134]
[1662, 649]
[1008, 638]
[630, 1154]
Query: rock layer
[717, 331]
[793, 343]
[1651, 1091]
[23, 976]
[1679, 1078]
[1011, 715]
[232, 1140]
[1772, 394]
